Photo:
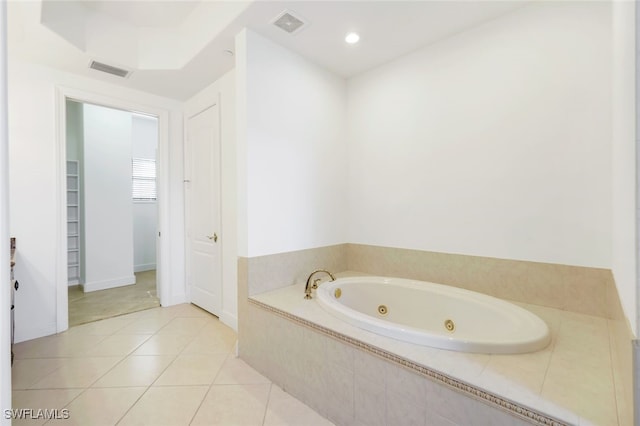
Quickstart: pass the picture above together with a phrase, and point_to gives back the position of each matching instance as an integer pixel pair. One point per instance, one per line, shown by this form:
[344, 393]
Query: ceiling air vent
[99, 66]
[288, 22]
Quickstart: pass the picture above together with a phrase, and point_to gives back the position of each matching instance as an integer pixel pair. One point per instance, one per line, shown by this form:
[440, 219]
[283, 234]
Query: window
[144, 179]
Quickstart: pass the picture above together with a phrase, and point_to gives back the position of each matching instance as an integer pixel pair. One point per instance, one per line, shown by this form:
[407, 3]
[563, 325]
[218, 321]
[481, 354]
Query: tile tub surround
[265, 273]
[588, 291]
[570, 382]
[570, 288]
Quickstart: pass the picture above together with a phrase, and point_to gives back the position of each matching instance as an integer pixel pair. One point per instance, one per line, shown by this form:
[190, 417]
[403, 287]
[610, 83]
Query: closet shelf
[73, 222]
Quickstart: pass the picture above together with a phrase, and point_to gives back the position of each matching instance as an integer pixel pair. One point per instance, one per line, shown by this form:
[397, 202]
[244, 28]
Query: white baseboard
[106, 284]
[230, 320]
[144, 267]
[177, 299]
[635, 344]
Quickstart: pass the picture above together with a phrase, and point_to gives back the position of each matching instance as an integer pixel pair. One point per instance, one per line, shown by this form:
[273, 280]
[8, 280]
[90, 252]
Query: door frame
[162, 178]
[190, 113]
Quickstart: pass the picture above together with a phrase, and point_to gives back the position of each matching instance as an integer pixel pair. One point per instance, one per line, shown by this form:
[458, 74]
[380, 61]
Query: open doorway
[112, 211]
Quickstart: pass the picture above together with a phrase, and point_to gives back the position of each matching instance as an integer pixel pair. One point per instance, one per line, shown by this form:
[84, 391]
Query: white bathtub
[434, 315]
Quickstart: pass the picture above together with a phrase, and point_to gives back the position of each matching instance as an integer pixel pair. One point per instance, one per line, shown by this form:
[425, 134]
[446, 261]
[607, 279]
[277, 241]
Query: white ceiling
[144, 13]
[176, 48]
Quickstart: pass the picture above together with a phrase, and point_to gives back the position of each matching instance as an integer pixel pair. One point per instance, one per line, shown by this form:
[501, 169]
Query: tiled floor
[97, 305]
[163, 366]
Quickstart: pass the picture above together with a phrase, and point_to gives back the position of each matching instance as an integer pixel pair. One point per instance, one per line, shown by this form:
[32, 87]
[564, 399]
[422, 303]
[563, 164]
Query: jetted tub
[434, 315]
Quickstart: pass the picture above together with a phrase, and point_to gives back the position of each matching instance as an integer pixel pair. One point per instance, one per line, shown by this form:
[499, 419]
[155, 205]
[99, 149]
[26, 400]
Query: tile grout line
[161, 373]
[41, 378]
[266, 406]
[195, 413]
[546, 370]
[134, 403]
[613, 374]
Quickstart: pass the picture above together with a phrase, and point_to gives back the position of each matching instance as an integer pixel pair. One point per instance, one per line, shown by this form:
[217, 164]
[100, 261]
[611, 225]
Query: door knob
[213, 237]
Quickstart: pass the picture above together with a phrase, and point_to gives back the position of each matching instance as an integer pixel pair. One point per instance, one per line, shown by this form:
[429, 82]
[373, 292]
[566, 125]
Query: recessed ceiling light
[352, 38]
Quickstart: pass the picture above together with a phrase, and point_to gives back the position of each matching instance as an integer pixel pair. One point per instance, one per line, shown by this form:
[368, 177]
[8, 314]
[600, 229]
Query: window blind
[144, 179]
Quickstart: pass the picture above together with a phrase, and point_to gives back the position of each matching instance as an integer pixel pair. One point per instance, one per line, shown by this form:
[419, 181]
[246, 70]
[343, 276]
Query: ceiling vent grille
[289, 22]
[99, 66]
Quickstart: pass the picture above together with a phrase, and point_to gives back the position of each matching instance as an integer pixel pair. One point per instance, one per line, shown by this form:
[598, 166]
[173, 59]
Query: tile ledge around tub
[495, 401]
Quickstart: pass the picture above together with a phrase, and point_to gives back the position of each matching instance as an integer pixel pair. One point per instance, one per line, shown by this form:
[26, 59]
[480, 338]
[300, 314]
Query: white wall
[34, 170]
[624, 255]
[494, 142]
[145, 213]
[222, 92]
[145, 230]
[5, 331]
[108, 210]
[241, 142]
[296, 164]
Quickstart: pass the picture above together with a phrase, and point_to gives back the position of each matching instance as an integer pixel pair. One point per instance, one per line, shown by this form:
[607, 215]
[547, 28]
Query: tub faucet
[309, 287]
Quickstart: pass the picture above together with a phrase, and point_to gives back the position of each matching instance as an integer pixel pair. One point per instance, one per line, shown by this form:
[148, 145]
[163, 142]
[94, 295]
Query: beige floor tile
[41, 399]
[185, 310]
[205, 345]
[26, 372]
[102, 327]
[188, 326]
[135, 371]
[77, 373]
[285, 410]
[238, 405]
[183, 350]
[102, 407]
[164, 344]
[235, 371]
[192, 370]
[57, 346]
[170, 405]
[218, 329]
[145, 313]
[118, 345]
[144, 325]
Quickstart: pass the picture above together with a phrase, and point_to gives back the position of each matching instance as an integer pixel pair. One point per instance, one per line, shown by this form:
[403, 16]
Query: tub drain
[450, 326]
[382, 310]
[337, 293]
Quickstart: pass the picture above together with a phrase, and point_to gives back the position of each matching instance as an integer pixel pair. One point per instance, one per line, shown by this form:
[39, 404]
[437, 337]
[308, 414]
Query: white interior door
[204, 272]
